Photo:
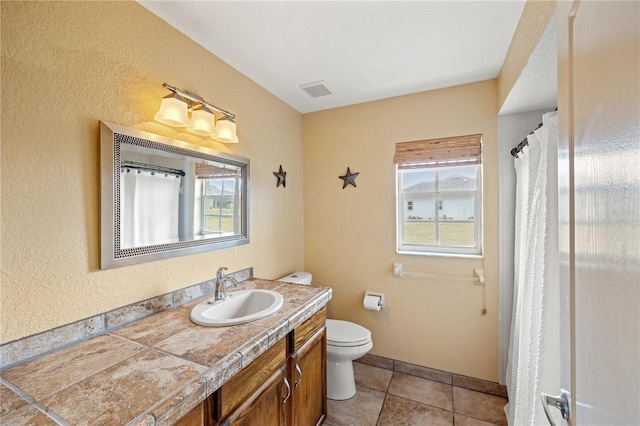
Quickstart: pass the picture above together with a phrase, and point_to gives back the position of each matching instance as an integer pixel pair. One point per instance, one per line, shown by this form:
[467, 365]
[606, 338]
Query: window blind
[441, 152]
[209, 171]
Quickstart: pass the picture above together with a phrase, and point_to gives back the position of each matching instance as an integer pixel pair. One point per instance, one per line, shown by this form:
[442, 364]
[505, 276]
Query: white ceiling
[361, 50]
[537, 85]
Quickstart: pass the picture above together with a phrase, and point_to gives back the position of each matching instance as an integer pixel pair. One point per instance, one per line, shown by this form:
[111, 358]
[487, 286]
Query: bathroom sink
[240, 307]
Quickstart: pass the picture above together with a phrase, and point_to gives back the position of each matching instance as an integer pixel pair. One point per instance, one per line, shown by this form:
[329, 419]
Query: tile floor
[395, 393]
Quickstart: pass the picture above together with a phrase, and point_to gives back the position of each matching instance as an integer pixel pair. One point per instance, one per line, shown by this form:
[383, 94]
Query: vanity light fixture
[174, 112]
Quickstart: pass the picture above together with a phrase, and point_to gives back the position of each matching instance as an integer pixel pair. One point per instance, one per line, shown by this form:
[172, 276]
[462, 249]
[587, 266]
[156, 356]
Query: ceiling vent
[315, 89]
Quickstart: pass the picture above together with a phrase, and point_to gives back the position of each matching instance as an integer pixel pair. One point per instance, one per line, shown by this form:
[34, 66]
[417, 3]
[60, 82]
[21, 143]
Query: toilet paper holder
[381, 302]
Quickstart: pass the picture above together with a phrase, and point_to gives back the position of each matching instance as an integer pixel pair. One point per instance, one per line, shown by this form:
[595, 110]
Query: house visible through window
[220, 199]
[439, 196]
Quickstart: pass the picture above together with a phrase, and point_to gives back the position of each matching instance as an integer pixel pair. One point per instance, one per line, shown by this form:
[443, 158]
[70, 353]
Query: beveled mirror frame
[112, 255]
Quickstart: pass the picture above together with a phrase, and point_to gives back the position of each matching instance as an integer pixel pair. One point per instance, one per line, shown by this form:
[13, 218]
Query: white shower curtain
[534, 358]
[148, 209]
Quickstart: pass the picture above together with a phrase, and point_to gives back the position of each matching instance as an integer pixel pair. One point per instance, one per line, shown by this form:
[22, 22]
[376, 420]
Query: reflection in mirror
[163, 198]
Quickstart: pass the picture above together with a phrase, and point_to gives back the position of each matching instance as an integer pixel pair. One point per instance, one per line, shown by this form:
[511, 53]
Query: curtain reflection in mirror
[149, 208]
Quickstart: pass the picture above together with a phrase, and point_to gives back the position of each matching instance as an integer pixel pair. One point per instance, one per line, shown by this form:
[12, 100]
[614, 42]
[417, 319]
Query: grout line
[386, 395]
[453, 403]
[32, 402]
[382, 406]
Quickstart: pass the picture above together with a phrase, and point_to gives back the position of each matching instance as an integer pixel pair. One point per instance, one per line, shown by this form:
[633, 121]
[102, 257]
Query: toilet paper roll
[371, 303]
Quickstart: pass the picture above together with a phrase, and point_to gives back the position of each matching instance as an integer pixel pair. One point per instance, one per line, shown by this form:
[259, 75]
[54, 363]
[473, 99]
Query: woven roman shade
[209, 171]
[441, 152]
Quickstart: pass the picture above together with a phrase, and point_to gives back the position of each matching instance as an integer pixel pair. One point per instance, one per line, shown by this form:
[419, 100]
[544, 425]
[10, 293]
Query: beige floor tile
[372, 377]
[460, 420]
[479, 405]
[413, 400]
[361, 410]
[400, 411]
[422, 390]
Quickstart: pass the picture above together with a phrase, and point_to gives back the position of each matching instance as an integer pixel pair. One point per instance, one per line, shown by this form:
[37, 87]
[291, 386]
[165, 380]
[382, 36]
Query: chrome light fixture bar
[197, 100]
[174, 112]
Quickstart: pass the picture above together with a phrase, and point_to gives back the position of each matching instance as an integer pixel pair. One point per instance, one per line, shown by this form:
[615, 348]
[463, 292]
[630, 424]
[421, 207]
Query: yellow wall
[350, 233]
[534, 20]
[67, 65]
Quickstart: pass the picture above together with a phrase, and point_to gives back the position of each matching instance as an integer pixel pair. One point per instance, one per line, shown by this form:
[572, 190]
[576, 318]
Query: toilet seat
[346, 334]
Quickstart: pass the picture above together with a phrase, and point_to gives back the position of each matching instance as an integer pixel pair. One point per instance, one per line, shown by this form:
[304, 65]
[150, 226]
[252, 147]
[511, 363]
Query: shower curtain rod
[518, 149]
[151, 168]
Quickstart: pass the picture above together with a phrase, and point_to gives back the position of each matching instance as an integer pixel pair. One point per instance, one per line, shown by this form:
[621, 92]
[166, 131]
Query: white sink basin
[239, 308]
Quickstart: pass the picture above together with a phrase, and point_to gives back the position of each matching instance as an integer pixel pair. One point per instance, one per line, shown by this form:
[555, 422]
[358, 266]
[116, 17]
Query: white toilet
[346, 341]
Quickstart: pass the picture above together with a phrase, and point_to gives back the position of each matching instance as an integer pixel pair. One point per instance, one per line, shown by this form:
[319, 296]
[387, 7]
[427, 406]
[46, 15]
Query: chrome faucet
[221, 285]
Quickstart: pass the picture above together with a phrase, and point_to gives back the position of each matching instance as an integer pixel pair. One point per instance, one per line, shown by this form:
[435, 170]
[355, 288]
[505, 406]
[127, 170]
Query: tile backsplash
[24, 349]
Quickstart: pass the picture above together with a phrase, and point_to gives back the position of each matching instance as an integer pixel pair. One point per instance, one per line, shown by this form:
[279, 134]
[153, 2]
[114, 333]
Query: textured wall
[534, 20]
[67, 65]
[350, 233]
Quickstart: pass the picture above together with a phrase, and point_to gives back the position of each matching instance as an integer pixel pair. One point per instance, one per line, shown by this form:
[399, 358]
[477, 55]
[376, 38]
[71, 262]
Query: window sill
[432, 254]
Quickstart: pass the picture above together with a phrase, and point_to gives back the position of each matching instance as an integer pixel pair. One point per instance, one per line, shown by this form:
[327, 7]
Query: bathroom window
[219, 190]
[218, 206]
[439, 196]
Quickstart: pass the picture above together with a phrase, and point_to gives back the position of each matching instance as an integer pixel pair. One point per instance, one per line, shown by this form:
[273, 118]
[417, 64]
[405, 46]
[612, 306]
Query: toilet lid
[345, 333]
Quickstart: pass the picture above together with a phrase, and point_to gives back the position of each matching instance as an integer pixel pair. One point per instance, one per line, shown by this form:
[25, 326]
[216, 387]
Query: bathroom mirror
[162, 198]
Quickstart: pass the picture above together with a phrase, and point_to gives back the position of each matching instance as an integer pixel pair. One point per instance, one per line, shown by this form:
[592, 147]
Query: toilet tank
[298, 277]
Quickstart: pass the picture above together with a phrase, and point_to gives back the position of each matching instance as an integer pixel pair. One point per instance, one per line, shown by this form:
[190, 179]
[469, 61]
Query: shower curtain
[148, 209]
[534, 358]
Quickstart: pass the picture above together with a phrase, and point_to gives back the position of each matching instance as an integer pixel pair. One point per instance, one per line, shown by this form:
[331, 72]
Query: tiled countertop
[150, 372]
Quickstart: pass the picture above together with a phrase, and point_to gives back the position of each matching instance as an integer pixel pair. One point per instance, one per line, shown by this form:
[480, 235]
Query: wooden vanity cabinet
[266, 407]
[253, 387]
[198, 416]
[307, 371]
[285, 386]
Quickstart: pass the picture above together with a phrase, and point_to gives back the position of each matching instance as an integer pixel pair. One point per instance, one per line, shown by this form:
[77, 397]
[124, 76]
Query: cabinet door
[195, 417]
[244, 385]
[267, 407]
[308, 376]
[199, 416]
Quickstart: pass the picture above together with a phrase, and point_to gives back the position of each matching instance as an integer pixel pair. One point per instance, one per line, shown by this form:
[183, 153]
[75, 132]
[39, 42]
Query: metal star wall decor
[282, 177]
[349, 178]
